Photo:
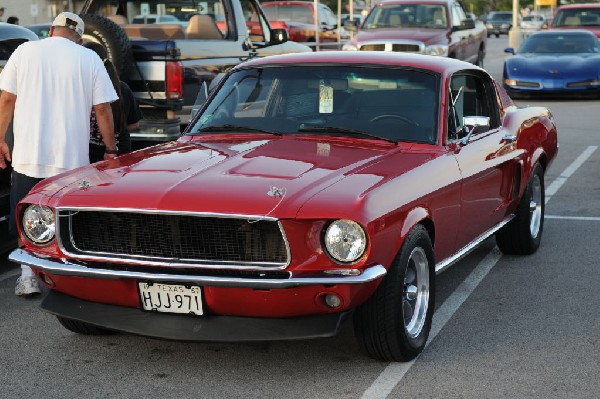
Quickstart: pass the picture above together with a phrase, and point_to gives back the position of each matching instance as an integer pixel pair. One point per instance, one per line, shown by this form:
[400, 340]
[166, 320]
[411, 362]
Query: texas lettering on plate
[170, 298]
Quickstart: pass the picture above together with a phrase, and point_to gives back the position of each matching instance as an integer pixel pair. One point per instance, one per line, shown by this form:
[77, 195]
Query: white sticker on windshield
[325, 98]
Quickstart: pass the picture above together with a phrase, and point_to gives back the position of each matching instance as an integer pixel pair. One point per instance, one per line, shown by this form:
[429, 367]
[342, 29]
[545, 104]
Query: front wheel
[394, 324]
[523, 234]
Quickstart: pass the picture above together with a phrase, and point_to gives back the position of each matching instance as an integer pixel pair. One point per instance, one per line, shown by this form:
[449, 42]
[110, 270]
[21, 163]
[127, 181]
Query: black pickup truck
[166, 49]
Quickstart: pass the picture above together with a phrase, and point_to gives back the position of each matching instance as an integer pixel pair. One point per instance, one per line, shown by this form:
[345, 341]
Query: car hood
[553, 65]
[427, 36]
[244, 176]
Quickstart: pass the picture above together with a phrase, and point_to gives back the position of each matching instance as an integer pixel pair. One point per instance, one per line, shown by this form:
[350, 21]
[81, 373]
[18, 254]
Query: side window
[254, 21]
[470, 95]
[458, 14]
[327, 17]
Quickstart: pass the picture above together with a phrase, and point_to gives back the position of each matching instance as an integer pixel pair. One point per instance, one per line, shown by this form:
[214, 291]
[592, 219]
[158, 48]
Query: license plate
[170, 298]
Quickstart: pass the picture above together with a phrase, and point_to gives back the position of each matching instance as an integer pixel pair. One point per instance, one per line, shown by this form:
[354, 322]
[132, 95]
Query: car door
[487, 158]
[459, 35]
[467, 41]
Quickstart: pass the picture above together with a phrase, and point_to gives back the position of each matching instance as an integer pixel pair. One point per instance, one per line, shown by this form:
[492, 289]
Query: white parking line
[586, 218]
[568, 172]
[394, 372]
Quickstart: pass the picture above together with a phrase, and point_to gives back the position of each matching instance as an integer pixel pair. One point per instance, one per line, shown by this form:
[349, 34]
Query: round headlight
[349, 47]
[38, 224]
[345, 240]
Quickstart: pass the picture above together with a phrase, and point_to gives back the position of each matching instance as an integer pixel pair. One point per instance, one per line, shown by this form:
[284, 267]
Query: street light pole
[514, 35]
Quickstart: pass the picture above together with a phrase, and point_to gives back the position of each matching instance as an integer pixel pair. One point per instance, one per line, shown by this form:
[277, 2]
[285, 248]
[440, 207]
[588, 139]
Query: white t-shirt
[56, 82]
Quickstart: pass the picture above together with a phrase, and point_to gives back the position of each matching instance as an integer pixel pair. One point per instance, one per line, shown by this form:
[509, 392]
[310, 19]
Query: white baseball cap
[69, 20]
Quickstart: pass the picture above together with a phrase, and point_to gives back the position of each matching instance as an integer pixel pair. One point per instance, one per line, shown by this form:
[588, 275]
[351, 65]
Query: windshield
[561, 44]
[378, 103]
[500, 17]
[577, 17]
[433, 16]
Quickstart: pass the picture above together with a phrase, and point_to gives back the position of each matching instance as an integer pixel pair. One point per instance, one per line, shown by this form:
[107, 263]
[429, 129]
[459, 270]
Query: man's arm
[7, 109]
[104, 117]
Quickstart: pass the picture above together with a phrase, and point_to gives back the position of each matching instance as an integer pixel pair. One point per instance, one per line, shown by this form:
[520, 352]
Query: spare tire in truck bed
[104, 31]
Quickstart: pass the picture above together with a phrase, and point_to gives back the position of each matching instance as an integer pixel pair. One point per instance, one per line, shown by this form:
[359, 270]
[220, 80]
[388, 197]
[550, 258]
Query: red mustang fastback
[309, 188]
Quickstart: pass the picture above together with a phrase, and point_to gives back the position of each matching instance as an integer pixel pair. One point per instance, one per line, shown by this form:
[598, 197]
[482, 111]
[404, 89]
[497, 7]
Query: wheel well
[543, 161]
[428, 224]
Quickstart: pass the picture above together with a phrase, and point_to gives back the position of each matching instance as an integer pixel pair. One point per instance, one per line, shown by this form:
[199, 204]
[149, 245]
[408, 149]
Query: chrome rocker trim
[65, 268]
[446, 263]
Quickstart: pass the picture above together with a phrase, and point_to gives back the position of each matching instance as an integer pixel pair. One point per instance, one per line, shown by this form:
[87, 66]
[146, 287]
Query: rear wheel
[480, 57]
[523, 234]
[80, 327]
[393, 325]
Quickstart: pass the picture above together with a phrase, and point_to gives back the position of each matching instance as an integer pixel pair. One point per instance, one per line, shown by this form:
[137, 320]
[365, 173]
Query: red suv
[578, 16]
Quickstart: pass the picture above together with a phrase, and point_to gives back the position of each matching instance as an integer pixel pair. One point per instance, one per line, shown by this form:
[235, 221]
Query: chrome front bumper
[66, 268]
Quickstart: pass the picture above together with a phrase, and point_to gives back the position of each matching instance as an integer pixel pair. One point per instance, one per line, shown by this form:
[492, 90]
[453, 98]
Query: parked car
[308, 189]
[554, 63]
[499, 23]
[41, 30]
[533, 23]
[578, 16]
[11, 36]
[297, 17]
[438, 27]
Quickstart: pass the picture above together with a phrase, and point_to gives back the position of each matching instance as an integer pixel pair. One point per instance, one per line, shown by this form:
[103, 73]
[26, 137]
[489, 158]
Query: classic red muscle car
[309, 188]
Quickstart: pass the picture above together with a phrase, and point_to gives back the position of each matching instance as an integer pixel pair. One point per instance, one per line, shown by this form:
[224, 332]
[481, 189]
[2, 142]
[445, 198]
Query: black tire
[523, 234]
[104, 31]
[407, 291]
[480, 57]
[80, 327]
[497, 34]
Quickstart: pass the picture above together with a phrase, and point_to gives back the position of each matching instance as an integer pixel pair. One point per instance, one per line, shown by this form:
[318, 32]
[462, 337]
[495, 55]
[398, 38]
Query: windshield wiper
[334, 129]
[229, 127]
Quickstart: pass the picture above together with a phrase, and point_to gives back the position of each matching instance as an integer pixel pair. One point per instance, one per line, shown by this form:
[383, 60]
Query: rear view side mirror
[350, 26]
[278, 36]
[474, 125]
[510, 50]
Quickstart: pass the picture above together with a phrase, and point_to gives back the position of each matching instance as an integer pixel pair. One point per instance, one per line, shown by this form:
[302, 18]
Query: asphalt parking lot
[505, 326]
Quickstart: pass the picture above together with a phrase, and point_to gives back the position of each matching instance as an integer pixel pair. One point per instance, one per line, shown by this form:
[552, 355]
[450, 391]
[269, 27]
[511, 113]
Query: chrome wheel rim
[415, 298]
[535, 206]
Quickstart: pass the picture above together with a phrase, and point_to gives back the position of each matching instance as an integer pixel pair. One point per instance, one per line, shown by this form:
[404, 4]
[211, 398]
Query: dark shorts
[20, 185]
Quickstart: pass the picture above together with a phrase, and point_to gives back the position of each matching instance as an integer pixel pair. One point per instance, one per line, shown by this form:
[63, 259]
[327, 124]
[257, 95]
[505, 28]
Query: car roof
[11, 32]
[440, 65]
[386, 2]
[580, 5]
[566, 32]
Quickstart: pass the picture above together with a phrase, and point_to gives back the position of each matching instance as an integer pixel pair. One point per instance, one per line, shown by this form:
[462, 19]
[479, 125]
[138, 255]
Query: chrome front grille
[372, 47]
[176, 239]
[404, 46]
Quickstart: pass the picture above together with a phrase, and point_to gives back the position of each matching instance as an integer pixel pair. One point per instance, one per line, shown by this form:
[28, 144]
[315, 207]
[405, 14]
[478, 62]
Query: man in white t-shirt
[48, 90]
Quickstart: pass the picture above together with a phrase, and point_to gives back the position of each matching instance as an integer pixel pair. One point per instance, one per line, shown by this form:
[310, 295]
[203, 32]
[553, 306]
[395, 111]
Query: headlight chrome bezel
[437, 50]
[38, 224]
[339, 238]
